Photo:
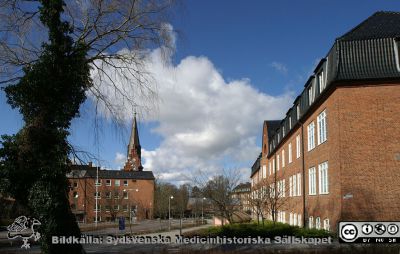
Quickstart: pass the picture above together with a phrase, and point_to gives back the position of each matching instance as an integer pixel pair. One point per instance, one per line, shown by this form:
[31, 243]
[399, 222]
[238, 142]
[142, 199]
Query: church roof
[134, 142]
[87, 171]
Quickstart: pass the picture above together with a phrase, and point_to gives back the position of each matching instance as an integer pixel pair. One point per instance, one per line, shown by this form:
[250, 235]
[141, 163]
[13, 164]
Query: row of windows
[323, 179]
[295, 182]
[321, 131]
[295, 220]
[97, 195]
[280, 158]
[317, 225]
[108, 182]
[318, 84]
[107, 208]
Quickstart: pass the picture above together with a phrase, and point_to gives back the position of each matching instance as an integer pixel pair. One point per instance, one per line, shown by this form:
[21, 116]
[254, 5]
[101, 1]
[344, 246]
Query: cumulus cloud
[280, 67]
[119, 159]
[206, 123]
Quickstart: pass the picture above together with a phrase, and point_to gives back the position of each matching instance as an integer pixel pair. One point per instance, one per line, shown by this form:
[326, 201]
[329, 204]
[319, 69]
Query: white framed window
[98, 208]
[290, 123]
[397, 52]
[273, 165]
[97, 182]
[125, 208]
[284, 217]
[279, 137]
[97, 195]
[311, 222]
[283, 131]
[116, 207]
[321, 81]
[125, 195]
[290, 186]
[108, 182]
[290, 153]
[108, 195]
[298, 111]
[311, 94]
[116, 195]
[318, 223]
[75, 194]
[264, 171]
[277, 162]
[326, 224]
[117, 182]
[294, 185]
[295, 219]
[312, 188]
[283, 190]
[321, 127]
[269, 168]
[291, 219]
[311, 140]
[283, 158]
[125, 182]
[298, 184]
[323, 178]
[299, 220]
[298, 146]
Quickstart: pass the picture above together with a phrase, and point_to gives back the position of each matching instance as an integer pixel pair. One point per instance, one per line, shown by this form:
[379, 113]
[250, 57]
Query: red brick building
[336, 154]
[125, 193]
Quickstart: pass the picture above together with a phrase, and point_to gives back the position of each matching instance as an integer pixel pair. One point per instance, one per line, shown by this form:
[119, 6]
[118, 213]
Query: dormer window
[311, 95]
[283, 131]
[290, 122]
[397, 52]
[321, 81]
[298, 111]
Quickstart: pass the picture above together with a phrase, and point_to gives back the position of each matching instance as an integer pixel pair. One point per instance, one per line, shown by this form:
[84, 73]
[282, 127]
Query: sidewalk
[175, 232]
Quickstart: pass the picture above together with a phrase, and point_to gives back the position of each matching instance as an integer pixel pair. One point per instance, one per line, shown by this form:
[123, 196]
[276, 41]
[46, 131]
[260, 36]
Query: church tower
[134, 158]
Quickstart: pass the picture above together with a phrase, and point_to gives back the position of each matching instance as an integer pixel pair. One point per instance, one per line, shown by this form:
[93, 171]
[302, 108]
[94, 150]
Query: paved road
[144, 226]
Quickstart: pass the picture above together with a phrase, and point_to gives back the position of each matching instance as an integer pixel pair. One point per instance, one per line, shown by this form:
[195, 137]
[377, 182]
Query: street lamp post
[130, 209]
[169, 212]
[202, 212]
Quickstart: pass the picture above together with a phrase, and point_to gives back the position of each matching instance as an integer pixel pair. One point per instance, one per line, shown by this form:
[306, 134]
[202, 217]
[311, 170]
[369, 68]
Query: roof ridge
[363, 23]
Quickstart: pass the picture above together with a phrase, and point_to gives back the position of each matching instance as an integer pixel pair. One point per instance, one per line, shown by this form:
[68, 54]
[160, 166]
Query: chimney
[90, 164]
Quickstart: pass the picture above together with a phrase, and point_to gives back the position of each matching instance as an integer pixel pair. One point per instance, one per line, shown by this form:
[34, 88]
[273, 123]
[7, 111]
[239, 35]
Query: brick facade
[362, 151]
[351, 104]
[139, 199]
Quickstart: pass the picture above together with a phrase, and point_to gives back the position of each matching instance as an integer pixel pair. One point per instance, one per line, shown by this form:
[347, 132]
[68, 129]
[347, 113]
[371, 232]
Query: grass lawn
[269, 229]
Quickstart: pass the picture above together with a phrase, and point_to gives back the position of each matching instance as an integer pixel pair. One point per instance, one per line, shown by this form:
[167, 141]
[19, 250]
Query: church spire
[134, 150]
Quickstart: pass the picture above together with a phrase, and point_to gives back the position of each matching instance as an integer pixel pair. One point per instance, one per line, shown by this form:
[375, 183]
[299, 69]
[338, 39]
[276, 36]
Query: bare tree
[162, 193]
[116, 35]
[219, 191]
[268, 196]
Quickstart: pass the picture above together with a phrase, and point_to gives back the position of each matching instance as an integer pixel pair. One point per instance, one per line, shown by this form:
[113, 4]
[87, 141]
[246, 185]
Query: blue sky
[258, 53]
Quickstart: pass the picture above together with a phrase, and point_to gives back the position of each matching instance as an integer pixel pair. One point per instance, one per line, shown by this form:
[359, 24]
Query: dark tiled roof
[382, 24]
[242, 186]
[369, 52]
[256, 165]
[272, 126]
[86, 171]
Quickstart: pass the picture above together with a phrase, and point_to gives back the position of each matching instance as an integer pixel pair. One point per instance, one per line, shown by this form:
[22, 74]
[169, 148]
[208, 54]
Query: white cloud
[120, 159]
[206, 122]
[280, 67]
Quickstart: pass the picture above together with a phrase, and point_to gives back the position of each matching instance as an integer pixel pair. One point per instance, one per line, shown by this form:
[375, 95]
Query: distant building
[241, 195]
[336, 154]
[125, 193]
